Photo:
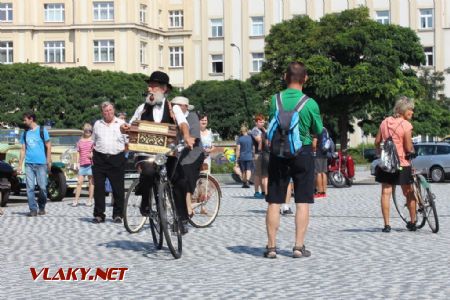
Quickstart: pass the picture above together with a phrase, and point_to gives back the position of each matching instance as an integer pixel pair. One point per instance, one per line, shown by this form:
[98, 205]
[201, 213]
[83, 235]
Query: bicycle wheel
[431, 212]
[400, 203]
[132, 217]
[421, 192]
[402, 207]
[205, 201]
[155, 223]
[170, 223]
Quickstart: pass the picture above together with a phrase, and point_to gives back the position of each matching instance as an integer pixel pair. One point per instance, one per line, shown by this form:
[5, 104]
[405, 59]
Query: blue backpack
[283, 132]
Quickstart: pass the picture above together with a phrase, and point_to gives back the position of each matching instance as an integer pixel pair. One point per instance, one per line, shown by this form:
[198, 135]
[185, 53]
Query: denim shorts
[85, 170]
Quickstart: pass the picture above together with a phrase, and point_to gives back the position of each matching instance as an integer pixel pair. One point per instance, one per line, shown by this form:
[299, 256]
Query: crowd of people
[276, 176]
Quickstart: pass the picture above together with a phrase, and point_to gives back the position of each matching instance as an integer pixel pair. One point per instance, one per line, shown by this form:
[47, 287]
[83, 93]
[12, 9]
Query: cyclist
[157, 108]
[399, 128]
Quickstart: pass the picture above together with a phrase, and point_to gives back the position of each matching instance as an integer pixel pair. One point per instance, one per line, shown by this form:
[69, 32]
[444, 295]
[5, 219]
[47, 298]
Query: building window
[143, 13]
[6, 12]
[54, 12]
[104, 51]
[159, 18]
[161, 56]
[142, 52]
[216, 27]
[429, 57]
[55, 52]
[103, 11]
[176, 56]
[382, 16]
[426, 18]
[6, 52]
[217, 63]
[257, 26]
[257, 61]
[176, 18]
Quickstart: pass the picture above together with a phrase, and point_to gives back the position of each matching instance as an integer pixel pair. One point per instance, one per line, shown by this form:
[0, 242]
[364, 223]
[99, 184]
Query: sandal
[271, 252]
[298, 252]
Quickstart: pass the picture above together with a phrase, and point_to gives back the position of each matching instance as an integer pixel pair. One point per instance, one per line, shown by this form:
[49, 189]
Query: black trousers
[183, 179]
[113, 168]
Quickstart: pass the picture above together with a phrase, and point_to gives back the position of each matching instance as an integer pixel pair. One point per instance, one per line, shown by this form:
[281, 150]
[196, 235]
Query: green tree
[229, 104]
[68, 97]
[353, 62]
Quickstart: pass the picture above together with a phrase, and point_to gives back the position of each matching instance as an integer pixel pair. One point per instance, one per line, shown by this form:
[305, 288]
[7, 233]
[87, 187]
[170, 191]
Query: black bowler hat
[159, 77]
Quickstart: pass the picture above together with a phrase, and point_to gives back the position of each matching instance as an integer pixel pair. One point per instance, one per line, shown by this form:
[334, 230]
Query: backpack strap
[301, 103]
[41, 133]
[279, 102]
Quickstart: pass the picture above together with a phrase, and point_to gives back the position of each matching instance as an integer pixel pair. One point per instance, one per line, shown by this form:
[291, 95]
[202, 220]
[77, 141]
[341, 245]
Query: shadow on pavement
[374, 229]
[22, 213]
[256, 251]
[257, 211]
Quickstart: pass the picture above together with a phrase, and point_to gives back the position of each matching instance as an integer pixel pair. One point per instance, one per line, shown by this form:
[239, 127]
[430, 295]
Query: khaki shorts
[261, 165]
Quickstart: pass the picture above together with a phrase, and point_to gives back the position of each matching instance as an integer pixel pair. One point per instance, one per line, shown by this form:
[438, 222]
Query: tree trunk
[343, 129]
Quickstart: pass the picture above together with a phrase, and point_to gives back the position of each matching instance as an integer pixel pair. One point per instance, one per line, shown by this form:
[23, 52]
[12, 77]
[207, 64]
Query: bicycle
[163, 217]
[425, 204]
[205, 200]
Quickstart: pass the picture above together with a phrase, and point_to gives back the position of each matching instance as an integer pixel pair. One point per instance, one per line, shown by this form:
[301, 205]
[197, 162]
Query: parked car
[63, 176]
[433, 160]
[370, 154]
[446, 139]
[6, 172]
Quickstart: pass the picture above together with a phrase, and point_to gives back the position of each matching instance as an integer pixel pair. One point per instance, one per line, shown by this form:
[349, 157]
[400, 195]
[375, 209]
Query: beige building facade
[190, 39]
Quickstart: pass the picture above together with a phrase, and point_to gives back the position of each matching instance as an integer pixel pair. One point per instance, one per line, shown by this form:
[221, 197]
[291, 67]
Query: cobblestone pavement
[351, 257]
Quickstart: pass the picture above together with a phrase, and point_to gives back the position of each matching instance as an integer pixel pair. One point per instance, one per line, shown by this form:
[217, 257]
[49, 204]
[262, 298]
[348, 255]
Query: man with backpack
[294, 118]
[322, 146]
[36, 150]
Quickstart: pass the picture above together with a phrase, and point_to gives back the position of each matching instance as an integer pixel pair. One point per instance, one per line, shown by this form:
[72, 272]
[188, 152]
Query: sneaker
[323, 195]
[386, 228]
[89, 202]
[32, 213]
[287, 211]
[298, 252]
[245, 186]
[74, 204]
[318, 195]
[411, 226]
[41, 212]
[258, 195]
[117, 219]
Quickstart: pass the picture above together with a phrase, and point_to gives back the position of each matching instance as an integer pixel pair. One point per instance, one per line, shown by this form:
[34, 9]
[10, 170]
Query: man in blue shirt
[36, 150]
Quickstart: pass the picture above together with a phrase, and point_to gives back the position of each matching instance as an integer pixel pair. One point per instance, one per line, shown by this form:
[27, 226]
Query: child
[84, 147]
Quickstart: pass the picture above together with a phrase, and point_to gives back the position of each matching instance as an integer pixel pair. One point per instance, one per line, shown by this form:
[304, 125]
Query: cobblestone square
[351, 257]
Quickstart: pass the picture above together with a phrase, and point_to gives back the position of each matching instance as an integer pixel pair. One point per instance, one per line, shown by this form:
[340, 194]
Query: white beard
[158, 98]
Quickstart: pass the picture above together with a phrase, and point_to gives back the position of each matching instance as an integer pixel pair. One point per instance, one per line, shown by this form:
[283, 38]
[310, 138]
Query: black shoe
[32, 213]
[411, 226]
[298, 252]
[98, 220]
[41, 212]
[145, 212]
[117, 219]
[386, 228]
[183, 228]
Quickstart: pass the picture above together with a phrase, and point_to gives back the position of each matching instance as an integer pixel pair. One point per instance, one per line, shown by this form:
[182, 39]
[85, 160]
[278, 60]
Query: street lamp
[240, 62]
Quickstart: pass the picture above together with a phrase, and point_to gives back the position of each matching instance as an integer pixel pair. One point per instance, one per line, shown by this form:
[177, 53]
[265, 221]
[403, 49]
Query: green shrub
[223, 168]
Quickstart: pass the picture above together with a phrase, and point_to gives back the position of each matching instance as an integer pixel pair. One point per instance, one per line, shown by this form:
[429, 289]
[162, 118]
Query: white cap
[182, 101]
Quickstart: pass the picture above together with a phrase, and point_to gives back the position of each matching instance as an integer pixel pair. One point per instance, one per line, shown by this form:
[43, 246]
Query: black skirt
[401, 177]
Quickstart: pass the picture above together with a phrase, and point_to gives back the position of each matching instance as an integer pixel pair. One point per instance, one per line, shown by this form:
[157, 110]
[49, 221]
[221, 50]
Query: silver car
[433, 160]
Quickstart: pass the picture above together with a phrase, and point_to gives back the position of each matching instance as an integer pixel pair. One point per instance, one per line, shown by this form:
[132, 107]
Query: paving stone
[351, 257]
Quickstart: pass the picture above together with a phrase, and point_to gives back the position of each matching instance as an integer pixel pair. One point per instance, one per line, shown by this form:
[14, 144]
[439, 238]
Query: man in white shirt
[108, 162]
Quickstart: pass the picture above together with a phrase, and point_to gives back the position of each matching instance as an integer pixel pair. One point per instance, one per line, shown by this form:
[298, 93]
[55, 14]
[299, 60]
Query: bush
[222, 168]
[357, 153]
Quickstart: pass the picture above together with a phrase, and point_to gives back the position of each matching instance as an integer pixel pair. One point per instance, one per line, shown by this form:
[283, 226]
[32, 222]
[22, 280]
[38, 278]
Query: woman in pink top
[84, 148]
[399, 127]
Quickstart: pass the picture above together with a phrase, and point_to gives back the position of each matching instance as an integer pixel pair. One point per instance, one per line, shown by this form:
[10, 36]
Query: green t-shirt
[310, 121]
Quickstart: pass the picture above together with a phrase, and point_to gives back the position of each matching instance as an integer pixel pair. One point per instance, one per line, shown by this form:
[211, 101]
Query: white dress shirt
[107, 137]
[158, 112]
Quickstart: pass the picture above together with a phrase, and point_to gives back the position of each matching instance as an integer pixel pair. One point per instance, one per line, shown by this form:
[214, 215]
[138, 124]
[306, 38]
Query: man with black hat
[157, 108]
